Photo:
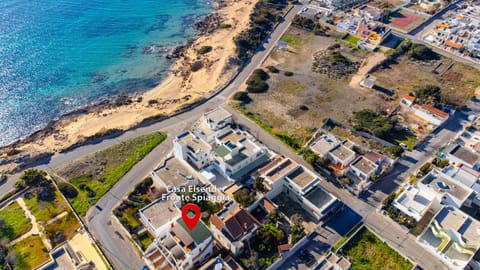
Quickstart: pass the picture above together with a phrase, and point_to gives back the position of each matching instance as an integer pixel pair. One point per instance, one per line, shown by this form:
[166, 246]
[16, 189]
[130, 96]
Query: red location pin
[190, 221]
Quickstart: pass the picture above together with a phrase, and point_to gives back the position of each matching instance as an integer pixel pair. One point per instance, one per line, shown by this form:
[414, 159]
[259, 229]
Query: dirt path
[59, 216]
[370, 62]
[35, 228]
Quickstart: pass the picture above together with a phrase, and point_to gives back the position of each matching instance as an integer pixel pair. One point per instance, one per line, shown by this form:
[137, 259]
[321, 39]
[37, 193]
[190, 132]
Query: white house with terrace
[286, 177]
[212, 124]
[433, 191]
[178, 247]
[192, 149]
[453, 237]
[238, 153]
[361, 172]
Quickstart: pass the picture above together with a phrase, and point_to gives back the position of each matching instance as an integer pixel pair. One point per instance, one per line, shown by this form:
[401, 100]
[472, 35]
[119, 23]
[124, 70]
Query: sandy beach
[184, 85]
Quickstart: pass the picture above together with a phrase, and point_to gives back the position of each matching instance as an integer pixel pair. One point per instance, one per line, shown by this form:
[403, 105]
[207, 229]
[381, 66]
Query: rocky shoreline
[18, 159]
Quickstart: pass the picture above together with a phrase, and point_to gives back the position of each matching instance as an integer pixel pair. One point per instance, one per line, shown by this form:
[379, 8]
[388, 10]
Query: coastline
[193, 75]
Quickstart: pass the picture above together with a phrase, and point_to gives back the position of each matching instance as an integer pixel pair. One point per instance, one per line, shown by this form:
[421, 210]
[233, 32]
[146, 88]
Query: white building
[342, 155]
[192, 149]
[285, 176]
[212, 124]
[178, 247]
[238, 153]
[363, 168]
[430, 114]
[452, 236]
[159, 214]
[458, 154]
[414, 202]
[434, 191]
[324, 144]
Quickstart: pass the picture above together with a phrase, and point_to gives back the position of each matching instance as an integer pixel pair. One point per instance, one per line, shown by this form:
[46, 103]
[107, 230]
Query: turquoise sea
[59, 55]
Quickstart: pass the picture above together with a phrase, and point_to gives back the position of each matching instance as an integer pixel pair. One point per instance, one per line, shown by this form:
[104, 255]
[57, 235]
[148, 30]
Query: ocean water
[59, 55]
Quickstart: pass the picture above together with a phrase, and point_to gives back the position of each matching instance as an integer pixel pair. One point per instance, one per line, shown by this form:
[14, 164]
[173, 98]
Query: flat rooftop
[319, 197]
[218, 115]
[278, 168]
[232, 136]
[364, 165]
[441, 185]
[193, 143]
[61, 261]
[174, 173]
[301, 176]
[453, 219]
[414, 200]
[463, 174]
[464, 154]
[160, 212]
[342, 153]
[324, 144]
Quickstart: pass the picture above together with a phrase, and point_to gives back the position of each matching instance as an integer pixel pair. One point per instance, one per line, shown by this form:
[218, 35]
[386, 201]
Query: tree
[297, 230]
[33, 177]
[395, 150]
[273, 217]
[19, 184]
[68, 190]
[424, 170]
[256, 82]
[241, 96]
[308, 155]
[269, 237]
[421, 52]
[258, 184]
[345, 181]
[374, 123]
[440, 162]
[245, 197]
[428, 94]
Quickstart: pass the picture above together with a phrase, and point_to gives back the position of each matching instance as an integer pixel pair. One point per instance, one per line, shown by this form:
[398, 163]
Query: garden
[366, 251]
[13, 222]
[95, 174]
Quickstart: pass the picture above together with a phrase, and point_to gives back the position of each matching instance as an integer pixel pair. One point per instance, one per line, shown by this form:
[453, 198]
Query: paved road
[411, 161]
[113, 240]
[387, 229]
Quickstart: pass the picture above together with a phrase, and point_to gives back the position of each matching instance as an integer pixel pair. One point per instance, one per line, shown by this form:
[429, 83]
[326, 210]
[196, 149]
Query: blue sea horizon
[60, 55]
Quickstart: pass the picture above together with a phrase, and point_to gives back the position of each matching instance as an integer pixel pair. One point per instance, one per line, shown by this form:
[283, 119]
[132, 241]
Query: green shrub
[257, 86]
[240, 96]
[245, 197]
[440, 162]
[395, 150]
[421, 52]
[225, 25]
[256, 82]
[288, 73]
[424, 170]
[205, 49]
[262, 19]
[68, 190]
[260, 73]
[273, 69]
